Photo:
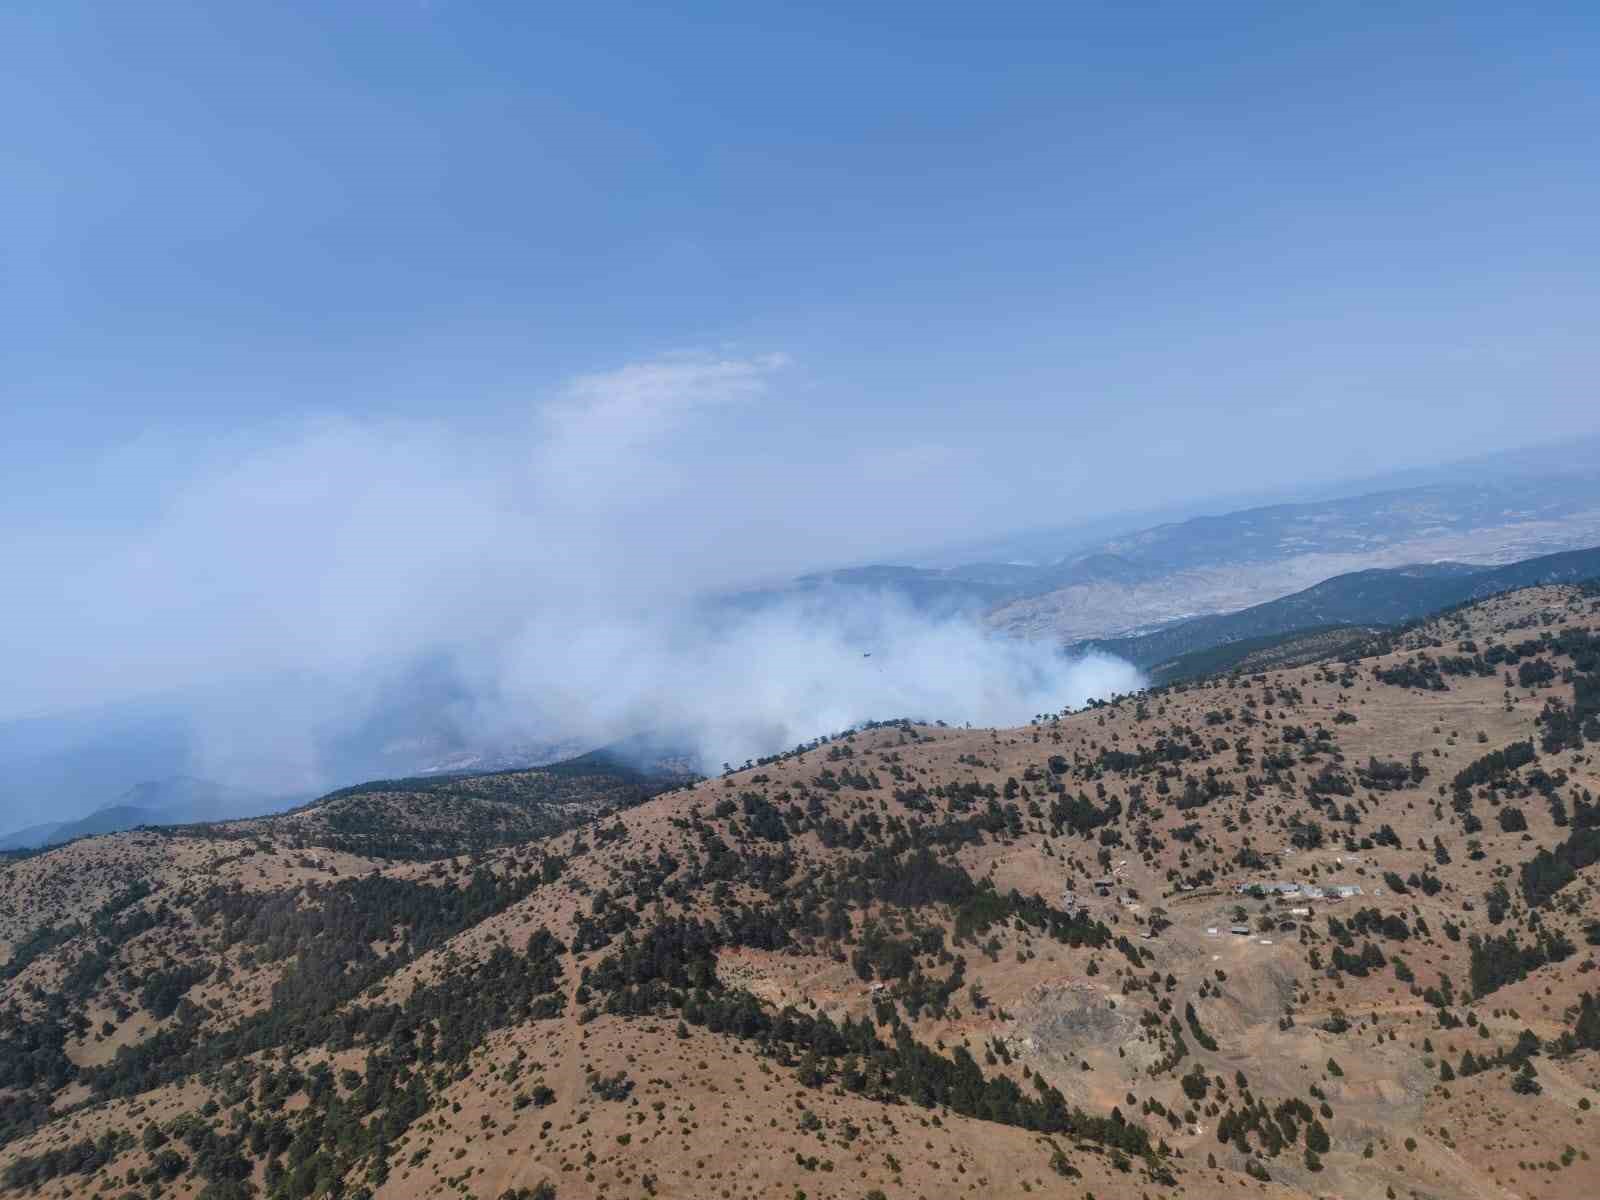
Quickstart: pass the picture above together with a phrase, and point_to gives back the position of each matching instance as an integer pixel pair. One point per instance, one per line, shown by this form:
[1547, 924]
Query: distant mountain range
[1145, 579]
[1360, 598]
[180, 800]
[977, 587]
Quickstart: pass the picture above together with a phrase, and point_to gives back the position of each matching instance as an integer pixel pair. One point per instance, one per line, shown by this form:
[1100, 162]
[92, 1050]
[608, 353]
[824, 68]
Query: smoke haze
[340, 429]
[417, 585]
[769, 680]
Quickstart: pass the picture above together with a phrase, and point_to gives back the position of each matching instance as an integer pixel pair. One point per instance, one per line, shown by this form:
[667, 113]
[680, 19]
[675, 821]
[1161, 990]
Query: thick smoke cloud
[752, 684]
[415, 584]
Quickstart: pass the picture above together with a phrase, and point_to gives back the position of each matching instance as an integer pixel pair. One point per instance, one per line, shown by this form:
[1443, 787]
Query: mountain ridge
[1376, 597]
[1214, 563]
[175, 800]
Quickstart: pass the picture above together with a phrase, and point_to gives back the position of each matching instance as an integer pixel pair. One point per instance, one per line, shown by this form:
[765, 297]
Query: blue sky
[306, 309]
[951, 216]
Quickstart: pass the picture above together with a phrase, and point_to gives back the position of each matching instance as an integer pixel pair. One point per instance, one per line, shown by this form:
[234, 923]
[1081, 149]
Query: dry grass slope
[909, 961]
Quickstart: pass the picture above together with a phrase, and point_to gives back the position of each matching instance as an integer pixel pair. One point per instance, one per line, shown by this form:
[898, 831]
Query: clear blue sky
[366, 296]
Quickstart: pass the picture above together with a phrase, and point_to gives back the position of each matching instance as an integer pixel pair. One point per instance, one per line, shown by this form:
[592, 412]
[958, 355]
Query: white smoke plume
[543, 582]
[764, 682]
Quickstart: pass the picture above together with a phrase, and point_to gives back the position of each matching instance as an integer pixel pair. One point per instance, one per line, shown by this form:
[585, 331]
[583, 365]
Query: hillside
[1362, 598]
[436, 816]
[30, 836]
[977, 587]
[1140, 579]
[179, 800]
[883, 965]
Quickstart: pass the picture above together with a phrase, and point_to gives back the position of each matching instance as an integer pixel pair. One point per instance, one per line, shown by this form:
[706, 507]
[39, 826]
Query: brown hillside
[880, 965]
